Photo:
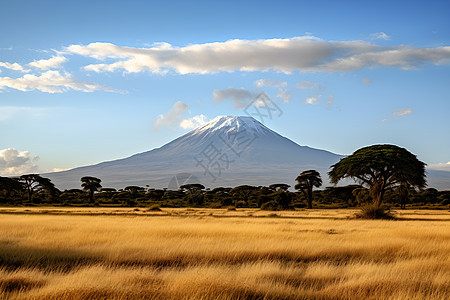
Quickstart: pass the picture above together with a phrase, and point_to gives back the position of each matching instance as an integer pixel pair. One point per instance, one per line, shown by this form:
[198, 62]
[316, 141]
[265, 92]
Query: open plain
[133, 253]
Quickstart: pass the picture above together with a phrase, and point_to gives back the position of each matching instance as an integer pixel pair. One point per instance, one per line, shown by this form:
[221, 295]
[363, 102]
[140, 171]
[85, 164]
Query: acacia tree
[243, 192]
[133, 189]
[30, 183]
[91, 184]
[380, 168]
[279, 187]
[35, 182]
[9, 186]
[45, 184]
[194, 192]
[108, 191]
[307, 180]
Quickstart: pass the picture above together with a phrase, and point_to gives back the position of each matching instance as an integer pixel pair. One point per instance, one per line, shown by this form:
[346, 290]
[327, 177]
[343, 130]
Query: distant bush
[373, 211]
[445, 202]
[241, 204]
[300, 205]
[272, 205]
[214, 205]
[129, 202]
[154, 207]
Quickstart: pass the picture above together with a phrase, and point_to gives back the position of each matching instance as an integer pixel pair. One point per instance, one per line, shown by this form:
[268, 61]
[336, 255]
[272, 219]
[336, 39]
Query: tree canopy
[194, 192]
[243, 192]
[307, 180]
[35, 182]
[91, 185]
[279, 186]
[8, 186]
[380, 167]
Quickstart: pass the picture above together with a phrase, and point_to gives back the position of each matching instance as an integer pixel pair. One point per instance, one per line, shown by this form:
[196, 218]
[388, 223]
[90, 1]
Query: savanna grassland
[105, 253]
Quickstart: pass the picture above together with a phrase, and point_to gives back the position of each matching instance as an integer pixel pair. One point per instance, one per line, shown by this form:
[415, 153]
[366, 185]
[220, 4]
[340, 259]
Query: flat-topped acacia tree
[380, 168]
[307, 180]
[35, 182]
[194, 192]
[91, 184]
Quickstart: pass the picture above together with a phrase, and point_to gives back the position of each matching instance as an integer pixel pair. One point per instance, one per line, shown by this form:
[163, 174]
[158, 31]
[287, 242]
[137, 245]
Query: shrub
[373, 211]
[272, 205]
[130, 202]
[445, 202]
[215, 205]
[241, 204]
[154, 207]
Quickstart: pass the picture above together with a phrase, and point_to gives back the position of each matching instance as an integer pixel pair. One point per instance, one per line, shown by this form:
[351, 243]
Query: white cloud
[271, 83]
[51, 82]
[285, 55]
[58, 169]
[313, 99]
[285, 95]
[240, 97]
[380, 36]
[172, 117]
[402, 112]
[307, 85]
[440, 166]
[329, 101]
[13, 66]
[194, 122]
[13, 162]
[366, 81]
[50, 63]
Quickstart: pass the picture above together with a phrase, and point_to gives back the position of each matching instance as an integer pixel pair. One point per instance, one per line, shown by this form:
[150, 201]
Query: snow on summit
[233, 123]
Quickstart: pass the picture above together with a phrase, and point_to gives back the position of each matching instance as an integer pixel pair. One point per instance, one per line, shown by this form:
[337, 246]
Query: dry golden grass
[220, 254]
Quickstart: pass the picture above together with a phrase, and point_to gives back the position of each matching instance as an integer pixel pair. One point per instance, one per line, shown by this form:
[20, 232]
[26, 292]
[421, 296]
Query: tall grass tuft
[374, 212]
[154, 207]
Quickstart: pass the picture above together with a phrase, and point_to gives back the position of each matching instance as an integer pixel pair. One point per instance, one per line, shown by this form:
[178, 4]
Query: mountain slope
[227, 151]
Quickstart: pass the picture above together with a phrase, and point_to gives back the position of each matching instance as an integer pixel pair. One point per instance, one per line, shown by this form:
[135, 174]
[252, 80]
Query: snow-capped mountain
[227, 151]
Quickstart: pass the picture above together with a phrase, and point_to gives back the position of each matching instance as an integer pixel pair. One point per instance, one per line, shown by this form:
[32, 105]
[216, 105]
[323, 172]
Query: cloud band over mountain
[284, 55]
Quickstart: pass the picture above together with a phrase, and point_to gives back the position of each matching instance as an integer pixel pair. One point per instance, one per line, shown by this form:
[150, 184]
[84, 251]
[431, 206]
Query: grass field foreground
[210, 254]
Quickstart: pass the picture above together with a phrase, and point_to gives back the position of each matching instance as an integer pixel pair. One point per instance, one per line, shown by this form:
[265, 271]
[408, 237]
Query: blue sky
[91, 81]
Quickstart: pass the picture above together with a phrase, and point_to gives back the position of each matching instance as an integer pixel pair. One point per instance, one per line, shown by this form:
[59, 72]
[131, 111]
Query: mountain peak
[233, 123]
[227, 151]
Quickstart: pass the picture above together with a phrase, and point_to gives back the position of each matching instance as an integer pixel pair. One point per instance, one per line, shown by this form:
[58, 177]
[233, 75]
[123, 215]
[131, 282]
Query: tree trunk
[30, 193]
[91, 196]
[379, 200]
[7, 195]
[309, 197]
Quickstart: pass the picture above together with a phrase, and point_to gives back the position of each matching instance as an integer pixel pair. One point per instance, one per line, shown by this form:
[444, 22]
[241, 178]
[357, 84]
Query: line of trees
[384, 173]
[272, 197]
